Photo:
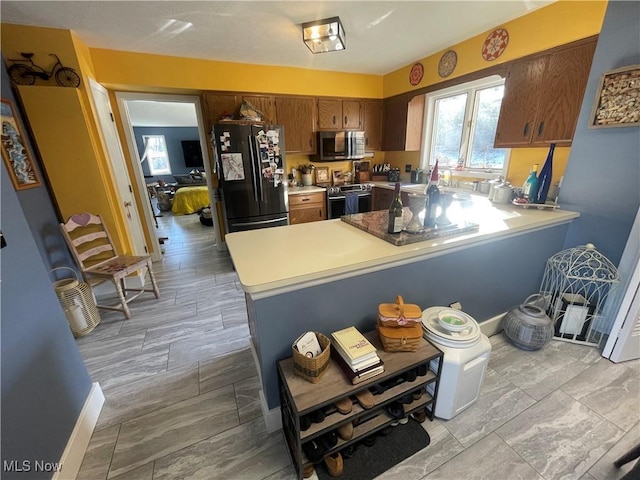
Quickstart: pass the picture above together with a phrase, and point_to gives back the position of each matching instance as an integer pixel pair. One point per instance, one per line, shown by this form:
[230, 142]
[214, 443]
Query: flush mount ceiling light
[324, 35]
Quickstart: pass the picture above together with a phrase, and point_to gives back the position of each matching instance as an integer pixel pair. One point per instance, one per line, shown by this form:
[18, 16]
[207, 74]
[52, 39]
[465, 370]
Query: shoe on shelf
[406, 399]
[305, 422]
[420, 415]
[308, 471]
[365, 399]
[417, 394]
[377, 389]
[422, 370]
[404, 420]
[329, 440]
[395, 410]
[345, 432]
[410, 375]
[344, 405]
[314, 450]
[334, 464]
[317, 416]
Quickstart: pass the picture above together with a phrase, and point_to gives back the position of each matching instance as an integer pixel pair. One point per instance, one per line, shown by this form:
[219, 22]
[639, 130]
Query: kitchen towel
[351, 203]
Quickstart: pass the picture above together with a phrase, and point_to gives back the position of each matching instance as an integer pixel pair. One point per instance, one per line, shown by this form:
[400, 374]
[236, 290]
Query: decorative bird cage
[575, 287]
[77, 303]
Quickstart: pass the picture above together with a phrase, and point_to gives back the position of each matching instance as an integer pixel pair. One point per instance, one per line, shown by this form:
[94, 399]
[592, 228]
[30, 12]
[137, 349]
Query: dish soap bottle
[433, 199]
[395, 212]
[530, 187]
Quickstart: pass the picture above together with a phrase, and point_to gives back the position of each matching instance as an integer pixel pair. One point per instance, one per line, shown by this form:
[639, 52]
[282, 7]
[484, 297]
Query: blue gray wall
[44, 382]
[38, 205]
[602, 179]
[172, 136]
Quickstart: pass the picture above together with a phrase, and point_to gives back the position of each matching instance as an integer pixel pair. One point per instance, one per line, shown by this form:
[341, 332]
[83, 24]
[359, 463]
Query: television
[192, 154]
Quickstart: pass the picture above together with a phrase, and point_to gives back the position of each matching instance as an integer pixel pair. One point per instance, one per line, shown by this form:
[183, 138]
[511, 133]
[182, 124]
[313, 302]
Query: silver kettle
[502, 193]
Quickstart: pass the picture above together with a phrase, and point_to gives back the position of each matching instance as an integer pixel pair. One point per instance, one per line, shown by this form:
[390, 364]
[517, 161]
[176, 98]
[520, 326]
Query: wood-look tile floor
[182, 389]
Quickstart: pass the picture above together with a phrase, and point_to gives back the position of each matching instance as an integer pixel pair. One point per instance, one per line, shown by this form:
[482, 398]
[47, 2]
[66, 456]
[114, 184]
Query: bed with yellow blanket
[190, 200]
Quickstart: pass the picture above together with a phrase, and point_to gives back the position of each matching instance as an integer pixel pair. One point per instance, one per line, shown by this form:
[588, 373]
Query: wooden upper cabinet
[543, 96]
[372, 124]
[415, 127]
[565, 82]
[264, 103]
[394, 122]
[337, 114]
[297, 115]
[217, 105]
[351, 114]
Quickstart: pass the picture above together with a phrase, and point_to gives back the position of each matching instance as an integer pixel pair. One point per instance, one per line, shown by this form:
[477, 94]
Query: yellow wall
[559, 23]
[66, 150]
[138, 71]
[48, 108]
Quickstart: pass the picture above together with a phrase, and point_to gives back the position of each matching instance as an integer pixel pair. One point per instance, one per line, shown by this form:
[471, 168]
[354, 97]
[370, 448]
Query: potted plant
[306, 170]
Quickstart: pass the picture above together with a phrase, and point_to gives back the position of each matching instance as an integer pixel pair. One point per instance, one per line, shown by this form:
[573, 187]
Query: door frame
[120, 171]
[122, 98]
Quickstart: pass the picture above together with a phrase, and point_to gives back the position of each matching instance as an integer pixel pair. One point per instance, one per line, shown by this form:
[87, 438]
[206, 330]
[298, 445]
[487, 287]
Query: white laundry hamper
[77, 303]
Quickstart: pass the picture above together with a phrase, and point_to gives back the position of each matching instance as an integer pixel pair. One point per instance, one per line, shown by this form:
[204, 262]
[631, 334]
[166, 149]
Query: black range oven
[337, 201]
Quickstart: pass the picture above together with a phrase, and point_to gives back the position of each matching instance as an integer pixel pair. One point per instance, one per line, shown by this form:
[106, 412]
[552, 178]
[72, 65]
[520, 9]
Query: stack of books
[355, 355]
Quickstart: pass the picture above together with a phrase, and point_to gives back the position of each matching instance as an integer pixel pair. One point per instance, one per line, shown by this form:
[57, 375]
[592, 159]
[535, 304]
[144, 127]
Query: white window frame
[150, 155]
[426, 160]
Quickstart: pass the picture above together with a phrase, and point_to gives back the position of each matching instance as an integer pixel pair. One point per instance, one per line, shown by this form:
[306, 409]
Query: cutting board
[375, 223]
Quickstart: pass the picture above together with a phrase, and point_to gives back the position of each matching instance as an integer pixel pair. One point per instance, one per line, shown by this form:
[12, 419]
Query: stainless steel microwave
[343, 145]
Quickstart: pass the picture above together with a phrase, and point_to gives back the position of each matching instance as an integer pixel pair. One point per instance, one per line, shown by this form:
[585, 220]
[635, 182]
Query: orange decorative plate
[495, 44]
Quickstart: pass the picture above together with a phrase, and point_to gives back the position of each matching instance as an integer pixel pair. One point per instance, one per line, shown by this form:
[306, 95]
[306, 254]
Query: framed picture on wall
[617, 102]
[16, 155]
[322, 175]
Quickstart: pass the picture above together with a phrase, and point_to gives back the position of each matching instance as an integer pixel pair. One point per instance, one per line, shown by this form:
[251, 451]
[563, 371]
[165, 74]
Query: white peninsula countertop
[276, 260]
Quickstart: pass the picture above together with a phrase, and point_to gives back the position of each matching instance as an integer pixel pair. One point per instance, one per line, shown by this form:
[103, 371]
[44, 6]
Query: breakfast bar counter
[317, 252]
[324, 276]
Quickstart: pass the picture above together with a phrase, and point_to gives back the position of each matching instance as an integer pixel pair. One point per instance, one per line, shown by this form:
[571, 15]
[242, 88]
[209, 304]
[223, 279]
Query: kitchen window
[460, 127]
[155, 152]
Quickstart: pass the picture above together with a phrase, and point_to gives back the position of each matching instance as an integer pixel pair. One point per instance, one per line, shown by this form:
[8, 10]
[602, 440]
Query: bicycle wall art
[16, 156]
[24, 71]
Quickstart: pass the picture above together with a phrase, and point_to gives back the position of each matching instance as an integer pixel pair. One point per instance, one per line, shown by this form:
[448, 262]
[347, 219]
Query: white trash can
[466, 356]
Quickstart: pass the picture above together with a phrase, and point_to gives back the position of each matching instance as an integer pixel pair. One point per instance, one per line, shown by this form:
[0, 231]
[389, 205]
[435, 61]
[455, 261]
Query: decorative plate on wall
[415, 76]
[448, 63]
[495, 44]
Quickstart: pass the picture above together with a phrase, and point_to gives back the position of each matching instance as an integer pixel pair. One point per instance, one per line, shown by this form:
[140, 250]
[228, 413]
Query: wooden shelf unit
[299, 397]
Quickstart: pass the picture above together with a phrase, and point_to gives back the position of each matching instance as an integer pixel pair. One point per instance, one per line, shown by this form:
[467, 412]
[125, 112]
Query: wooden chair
[93, 250]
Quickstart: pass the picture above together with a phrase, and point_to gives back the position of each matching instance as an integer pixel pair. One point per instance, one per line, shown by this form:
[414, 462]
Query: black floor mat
[369, 462]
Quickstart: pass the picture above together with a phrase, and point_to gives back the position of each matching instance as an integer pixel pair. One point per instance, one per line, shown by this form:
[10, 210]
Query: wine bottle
[395, 212]
[530, 187]
[433, 199]
[544, 179]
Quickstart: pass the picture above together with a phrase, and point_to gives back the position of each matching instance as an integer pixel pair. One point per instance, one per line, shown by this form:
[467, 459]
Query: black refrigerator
[250, 164]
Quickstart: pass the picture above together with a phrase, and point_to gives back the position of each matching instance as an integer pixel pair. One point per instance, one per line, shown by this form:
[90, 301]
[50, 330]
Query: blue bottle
[544, 179]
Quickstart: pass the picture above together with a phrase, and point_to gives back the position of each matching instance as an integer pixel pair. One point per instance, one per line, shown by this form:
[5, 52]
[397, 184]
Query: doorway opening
[173, 124]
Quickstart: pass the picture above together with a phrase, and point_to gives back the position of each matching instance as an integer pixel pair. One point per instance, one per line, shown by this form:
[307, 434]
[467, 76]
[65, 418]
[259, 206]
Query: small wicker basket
[77, 303]
[400, 339]
[312, 369]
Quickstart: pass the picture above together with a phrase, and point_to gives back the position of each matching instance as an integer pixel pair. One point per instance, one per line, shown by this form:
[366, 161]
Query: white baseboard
[272, 418]
[493, 325]
[73, 454]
